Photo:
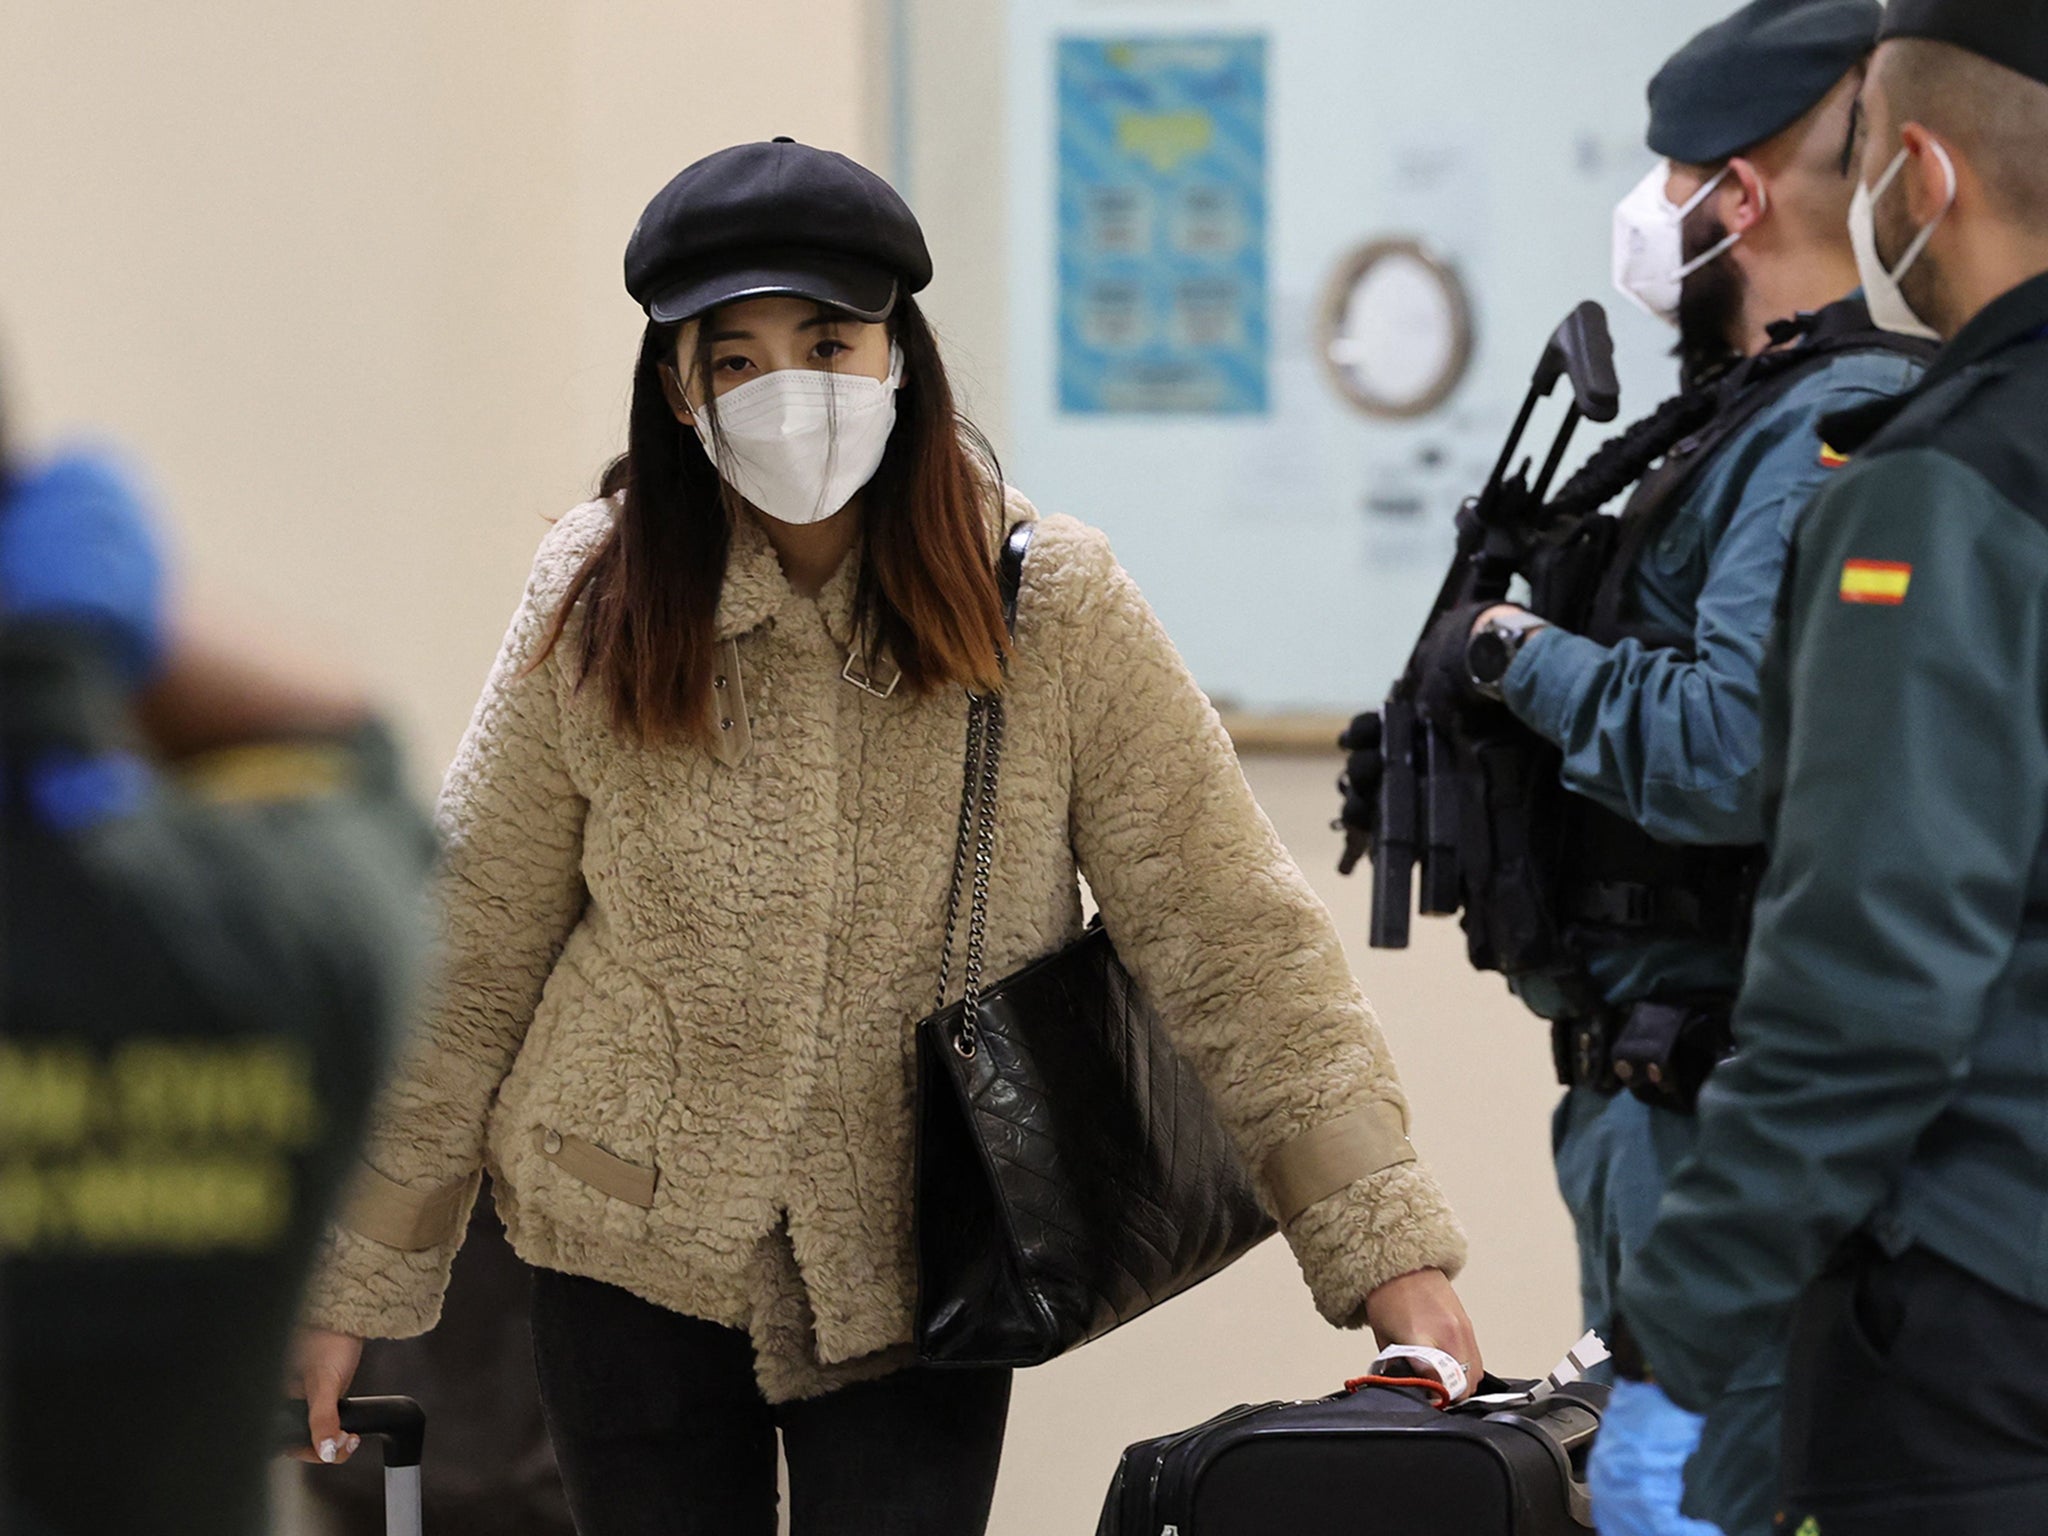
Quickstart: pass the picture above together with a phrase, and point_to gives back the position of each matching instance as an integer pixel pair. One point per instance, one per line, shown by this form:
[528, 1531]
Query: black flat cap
[1754, 75]
[776, 218]
[2009, 32]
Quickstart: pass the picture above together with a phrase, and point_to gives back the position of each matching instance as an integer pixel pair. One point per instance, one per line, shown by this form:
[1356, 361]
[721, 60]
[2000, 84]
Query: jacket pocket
[1880, 1294]
[591, 1164]
[1681, 546]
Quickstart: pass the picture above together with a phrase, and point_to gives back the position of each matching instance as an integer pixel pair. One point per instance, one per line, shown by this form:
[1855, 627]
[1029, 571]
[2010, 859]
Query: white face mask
[1649, 243]
[1881, 284]
[797, 443]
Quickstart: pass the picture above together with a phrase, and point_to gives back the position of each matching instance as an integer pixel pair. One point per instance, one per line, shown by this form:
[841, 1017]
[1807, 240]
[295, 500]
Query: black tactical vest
[1614, 878]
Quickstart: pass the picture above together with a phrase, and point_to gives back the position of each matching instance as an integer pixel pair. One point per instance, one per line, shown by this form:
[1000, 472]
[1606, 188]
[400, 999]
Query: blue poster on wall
[1162, 225]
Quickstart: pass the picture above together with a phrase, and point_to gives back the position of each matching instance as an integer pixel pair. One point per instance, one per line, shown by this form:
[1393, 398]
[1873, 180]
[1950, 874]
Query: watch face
[1489, 656]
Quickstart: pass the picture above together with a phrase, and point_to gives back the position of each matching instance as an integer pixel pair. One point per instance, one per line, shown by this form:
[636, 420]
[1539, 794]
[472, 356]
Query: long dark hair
[926, 587]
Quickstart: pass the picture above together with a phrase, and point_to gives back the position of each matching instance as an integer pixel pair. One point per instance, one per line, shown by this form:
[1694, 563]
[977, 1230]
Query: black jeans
[1916, 1401]
[660, 1430]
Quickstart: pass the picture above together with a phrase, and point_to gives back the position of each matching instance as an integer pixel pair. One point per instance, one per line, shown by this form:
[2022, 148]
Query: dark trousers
[660, 1430]
[1916, 1401]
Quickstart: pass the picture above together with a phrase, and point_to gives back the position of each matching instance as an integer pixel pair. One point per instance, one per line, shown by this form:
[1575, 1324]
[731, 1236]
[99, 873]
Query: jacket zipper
[1169, 1476]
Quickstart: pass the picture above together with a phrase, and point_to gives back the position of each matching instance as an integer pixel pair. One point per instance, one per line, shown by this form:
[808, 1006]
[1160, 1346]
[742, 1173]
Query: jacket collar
[835, 600]
[2014, 317]
[754, 590]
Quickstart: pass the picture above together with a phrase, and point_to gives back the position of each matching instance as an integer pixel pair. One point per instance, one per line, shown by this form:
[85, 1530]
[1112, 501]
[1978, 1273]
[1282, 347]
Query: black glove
[1360, 787]
[1443, 671]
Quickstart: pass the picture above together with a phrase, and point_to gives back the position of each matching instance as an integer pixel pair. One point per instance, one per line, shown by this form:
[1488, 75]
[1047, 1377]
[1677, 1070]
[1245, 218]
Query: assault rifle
[1502, 533]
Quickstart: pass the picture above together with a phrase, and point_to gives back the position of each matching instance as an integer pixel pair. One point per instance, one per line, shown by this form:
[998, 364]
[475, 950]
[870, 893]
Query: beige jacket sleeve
[1240, 957]
[508, 894]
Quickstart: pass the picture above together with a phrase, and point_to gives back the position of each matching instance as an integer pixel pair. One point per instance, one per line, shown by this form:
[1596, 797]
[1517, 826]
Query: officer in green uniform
[1872, 1165]
[211, 897]
[1738, 238]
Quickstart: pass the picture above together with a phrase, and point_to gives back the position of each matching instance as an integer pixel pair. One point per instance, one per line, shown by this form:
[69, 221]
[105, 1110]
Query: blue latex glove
[71, 794]
[77, 545]
[1637, 1476]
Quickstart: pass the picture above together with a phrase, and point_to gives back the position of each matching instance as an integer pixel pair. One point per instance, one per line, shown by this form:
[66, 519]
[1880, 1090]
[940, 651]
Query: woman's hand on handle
[1421, 1308]
[323, 1365]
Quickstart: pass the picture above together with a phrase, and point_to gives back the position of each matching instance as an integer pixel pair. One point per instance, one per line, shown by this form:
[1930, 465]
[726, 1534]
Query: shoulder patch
[1880, 582]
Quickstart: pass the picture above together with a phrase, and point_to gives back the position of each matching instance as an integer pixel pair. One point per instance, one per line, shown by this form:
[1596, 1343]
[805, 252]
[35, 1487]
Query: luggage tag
[1418, 1365]
[1445, 1378]
[1582, 1357]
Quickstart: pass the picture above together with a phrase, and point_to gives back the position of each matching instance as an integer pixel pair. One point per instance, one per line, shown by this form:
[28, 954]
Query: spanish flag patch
[1832, 458]
[1883, 582]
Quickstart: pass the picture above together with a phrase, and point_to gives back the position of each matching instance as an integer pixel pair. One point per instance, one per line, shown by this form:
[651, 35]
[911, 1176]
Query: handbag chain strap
[977, 842]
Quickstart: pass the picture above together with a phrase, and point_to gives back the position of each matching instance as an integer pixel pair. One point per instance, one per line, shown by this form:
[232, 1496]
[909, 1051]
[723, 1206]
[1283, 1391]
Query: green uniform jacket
[1892, 1033]
[196, 988]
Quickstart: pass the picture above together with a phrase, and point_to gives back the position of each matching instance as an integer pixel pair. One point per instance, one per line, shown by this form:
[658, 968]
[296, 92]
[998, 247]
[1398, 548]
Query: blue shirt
[1675, 742]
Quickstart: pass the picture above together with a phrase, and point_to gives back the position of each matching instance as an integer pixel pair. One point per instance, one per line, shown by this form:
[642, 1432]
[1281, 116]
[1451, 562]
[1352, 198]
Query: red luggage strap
[1429, 1384]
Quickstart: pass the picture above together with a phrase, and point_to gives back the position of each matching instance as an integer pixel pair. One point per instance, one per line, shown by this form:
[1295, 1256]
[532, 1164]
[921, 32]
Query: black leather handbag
[1071, 1171]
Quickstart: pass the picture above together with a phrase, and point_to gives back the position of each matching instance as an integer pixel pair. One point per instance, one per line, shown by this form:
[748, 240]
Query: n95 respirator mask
[1650, 268]
[798, 443]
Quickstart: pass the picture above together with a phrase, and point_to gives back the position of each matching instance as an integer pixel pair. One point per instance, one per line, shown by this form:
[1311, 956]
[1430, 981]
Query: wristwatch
[1492, 650]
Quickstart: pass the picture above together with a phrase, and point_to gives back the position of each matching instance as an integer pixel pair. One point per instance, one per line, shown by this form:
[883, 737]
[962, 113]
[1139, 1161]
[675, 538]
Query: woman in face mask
[700, 837]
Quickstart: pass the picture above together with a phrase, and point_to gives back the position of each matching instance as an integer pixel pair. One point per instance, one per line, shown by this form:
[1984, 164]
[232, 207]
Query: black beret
[1748, 78]
[2009, 32]
[776, 218]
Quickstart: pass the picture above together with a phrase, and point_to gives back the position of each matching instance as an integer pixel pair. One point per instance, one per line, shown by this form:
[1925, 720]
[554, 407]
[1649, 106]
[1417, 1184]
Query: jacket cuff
[391, 1213]
[1692, 1377]
[1336, 1155]
[1375, 1230]
[378, 1290]
[1544, 684]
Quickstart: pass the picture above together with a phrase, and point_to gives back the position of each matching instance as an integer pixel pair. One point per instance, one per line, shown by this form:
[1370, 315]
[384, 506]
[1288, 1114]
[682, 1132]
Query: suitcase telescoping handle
[400, 1427]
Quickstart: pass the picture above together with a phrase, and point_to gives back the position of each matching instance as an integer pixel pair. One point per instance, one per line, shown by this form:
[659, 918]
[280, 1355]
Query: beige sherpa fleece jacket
[679, 990]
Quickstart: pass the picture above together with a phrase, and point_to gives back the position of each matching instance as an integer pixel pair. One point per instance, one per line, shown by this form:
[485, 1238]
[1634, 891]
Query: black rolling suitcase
[1381, 1461]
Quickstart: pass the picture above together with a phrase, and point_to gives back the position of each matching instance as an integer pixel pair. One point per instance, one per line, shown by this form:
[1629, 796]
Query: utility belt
[1711, 914]
[1661, 1051]
[1616, 877]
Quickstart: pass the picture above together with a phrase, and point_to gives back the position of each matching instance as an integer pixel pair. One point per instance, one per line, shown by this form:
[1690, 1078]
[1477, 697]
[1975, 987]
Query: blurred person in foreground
[696, 901]
[209, 895]
[1738, 239]
[1871, 1171]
